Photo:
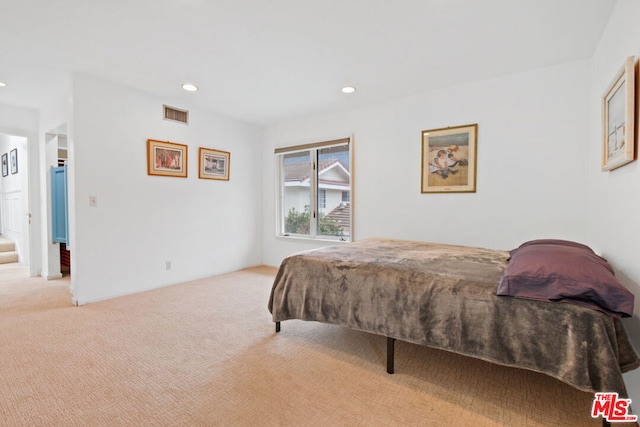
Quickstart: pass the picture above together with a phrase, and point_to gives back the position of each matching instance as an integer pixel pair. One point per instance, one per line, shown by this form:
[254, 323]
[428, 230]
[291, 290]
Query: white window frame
[312, 149]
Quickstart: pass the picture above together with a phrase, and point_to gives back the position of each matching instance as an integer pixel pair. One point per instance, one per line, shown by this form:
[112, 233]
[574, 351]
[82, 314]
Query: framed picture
[214, 164]
[166, 158]
[618, 118]
[14, 160]
[449, 159]
[5, 165]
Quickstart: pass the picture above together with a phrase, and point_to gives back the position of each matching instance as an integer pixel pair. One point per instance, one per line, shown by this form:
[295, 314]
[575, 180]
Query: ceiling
[267, 61]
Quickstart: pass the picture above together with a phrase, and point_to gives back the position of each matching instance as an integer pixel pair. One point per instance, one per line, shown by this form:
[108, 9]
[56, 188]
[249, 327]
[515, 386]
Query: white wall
[17, 119]
[202, 227]
[55, 118]
[614, 197]
[532, 157]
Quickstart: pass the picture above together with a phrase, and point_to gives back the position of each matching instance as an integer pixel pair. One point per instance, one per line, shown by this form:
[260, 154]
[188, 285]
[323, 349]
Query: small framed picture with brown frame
[449, 159]
[618, 118]
[213, 164]
[167, 158]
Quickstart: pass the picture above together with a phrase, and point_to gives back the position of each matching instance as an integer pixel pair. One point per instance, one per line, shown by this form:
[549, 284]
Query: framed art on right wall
[449, 159]
[618, 118]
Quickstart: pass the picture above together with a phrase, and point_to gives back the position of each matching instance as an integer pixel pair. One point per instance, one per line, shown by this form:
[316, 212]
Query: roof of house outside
[299, 172]
[342, 215]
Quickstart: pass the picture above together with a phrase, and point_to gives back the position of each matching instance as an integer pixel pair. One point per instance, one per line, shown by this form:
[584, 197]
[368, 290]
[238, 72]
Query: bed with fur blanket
[445, 296]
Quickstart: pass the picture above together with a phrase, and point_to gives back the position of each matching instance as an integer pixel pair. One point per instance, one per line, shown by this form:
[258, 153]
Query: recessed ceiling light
[348, 89]
[2, 84]
[189, 87]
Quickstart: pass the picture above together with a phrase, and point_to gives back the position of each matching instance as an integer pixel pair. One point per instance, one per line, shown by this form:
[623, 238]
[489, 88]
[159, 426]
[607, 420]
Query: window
[315, 190]
[322, 199]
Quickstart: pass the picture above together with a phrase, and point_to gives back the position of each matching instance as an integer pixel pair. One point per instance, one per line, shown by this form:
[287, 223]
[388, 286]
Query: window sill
[311, 239]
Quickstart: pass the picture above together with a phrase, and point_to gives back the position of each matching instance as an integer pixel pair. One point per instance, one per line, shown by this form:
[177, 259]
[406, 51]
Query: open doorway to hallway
[14, 200]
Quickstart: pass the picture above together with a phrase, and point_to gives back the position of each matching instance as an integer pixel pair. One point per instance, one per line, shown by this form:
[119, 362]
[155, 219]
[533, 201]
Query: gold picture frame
[213, 164]
[449, 159]
[166, 158]
[618, 118]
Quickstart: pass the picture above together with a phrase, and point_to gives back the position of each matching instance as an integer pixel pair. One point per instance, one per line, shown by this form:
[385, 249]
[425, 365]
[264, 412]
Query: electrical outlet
[167, 265]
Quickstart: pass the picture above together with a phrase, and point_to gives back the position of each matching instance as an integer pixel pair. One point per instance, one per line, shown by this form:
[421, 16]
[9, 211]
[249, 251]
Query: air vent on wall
[176, 114]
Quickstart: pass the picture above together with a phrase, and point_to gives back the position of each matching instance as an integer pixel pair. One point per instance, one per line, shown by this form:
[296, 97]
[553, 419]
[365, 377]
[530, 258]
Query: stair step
[8, 257]
[6, 245]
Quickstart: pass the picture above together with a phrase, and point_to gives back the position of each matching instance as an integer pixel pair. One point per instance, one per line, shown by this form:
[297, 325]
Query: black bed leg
[277, 327]
[390, 354]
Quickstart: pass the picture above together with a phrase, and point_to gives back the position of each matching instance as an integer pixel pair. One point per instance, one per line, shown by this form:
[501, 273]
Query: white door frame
[30, 216]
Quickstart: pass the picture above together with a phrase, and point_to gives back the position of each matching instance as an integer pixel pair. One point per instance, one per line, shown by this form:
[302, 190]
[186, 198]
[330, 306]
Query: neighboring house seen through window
[314, 199]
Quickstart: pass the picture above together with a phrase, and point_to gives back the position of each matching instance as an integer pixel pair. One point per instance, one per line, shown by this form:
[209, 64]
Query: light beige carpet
[205, 353]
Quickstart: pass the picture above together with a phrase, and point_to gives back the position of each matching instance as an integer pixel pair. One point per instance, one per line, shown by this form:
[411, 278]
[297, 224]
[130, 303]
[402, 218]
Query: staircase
[8, 252]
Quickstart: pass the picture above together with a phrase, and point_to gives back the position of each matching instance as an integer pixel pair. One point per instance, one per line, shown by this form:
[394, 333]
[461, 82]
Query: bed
[446, 297]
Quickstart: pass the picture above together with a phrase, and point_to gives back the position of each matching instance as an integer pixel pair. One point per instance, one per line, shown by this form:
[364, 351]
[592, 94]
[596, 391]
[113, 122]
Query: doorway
[60, 213]
[15, 215]
[58, 260]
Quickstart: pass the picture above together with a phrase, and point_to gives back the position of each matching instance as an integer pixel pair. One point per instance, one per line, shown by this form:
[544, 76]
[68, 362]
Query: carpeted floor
[205, 353]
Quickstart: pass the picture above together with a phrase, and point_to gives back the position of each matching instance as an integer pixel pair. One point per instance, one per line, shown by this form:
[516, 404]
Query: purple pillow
[556, 242]
[559, 270]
